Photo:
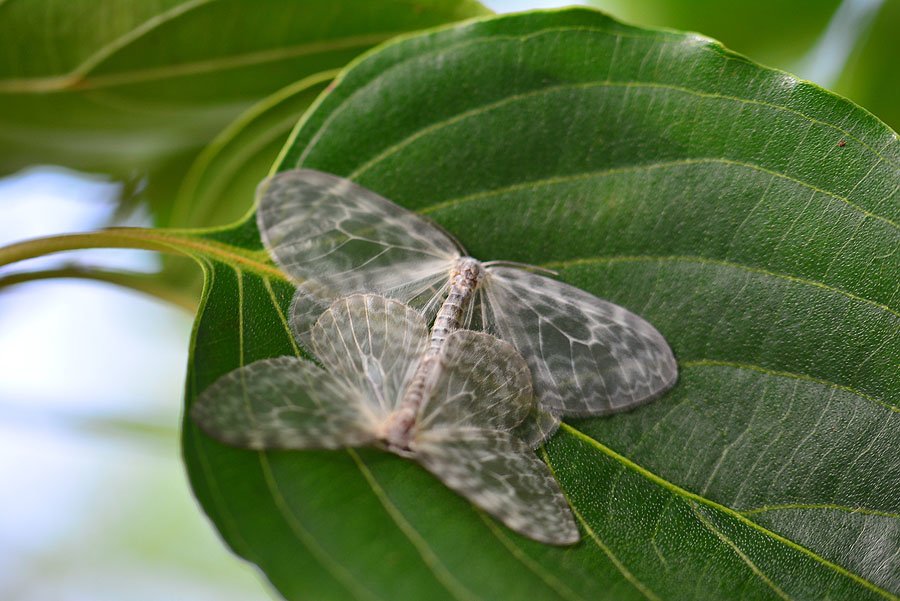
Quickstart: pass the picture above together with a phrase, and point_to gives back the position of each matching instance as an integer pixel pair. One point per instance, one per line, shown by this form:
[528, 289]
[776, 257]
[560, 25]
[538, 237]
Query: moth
[454, 408]
[587, 356]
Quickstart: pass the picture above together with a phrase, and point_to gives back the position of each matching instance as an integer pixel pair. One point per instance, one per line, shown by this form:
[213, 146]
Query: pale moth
[587, 356]
[452, 406]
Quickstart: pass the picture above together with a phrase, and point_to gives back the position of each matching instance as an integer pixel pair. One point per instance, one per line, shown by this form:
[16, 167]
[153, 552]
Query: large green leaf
[750, 216]
[137, 87]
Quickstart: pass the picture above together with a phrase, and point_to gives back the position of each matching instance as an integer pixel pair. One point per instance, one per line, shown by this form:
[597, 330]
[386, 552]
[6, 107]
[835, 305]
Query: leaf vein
[339, 572]
[677, 490]
[737, 550]
[429, 557]
[722, 263]
[550, 181]
[675, 38]
[824, 506]
[787, 374]
[547, 577]
[617, 563]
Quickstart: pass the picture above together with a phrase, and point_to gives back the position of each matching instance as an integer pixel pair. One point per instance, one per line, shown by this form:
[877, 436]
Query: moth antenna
[525, 266]
[459, 247]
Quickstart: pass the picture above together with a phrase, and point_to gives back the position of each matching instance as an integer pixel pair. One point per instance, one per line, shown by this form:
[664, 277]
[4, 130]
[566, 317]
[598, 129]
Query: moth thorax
[465, 277]
[467, 273]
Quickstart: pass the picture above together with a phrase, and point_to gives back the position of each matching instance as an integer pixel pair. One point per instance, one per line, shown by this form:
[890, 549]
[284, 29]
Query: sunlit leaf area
[731, 176]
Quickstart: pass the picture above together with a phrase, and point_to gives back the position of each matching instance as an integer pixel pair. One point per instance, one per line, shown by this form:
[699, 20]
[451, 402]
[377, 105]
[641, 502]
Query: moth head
[469, 269]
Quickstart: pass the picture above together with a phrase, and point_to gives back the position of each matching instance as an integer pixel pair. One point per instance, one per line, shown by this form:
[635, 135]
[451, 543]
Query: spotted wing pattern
[335, 238]
[480, 382]
[587, 356]
[371, 343]
[478, 395]
[284, 403]
[500, 474]
[538, 426]
[465, 436]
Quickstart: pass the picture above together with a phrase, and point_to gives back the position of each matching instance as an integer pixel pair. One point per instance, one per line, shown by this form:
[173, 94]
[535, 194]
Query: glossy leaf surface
[749, 216]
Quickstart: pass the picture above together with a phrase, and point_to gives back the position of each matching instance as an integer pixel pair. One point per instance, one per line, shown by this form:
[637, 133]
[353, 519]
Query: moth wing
[373, 343]
[480, 381]
[587, 356]
[284, 403]
[500, 474]
[306, 308]
[335, 238]
[538, 426]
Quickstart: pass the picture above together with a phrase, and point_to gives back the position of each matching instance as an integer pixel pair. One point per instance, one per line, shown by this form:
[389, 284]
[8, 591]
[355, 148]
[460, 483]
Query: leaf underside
[751, 217]
[136, 89]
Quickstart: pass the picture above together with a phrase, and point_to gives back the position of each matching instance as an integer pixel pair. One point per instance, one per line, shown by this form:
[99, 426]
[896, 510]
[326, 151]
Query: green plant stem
[151, 284]
[190, 243]
[137, 238]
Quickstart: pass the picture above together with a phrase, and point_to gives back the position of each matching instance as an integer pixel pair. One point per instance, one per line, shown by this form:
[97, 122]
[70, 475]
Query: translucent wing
[306, 309]
[480, 382]
[538, 426]
[335, 238]
[501, 475]
[587, 356]
[373, 343]
[284, 403]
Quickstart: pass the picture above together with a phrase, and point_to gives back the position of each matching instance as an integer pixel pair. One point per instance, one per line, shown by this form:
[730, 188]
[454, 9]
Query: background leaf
[782, 34]
[131, 88]
[750, 216]
[773, 33]
[871, 74]
[218, 187]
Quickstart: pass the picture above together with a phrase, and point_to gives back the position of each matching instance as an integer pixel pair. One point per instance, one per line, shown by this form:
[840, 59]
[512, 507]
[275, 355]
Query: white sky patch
[87, 512]
[511, 6]
[847, 29]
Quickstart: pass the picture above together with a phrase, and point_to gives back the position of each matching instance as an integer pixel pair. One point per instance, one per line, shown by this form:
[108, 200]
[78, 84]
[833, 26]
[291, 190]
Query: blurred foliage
[219, 186]
[136, 88]
[872, 75]
[780, 34]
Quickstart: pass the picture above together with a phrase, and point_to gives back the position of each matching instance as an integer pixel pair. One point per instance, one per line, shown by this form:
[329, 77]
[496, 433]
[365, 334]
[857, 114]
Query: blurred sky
[94, 504]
